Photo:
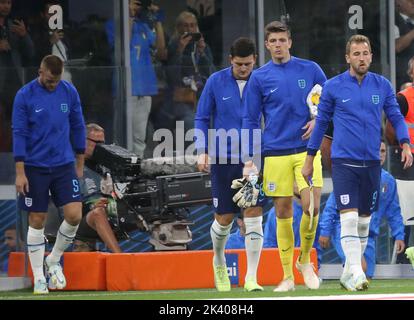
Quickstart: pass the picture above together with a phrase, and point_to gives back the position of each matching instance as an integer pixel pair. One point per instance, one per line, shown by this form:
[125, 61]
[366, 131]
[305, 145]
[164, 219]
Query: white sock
[254, 244]
[64, 238]
[350, 242]
[219, 235]
[363, 232]
[36, 251]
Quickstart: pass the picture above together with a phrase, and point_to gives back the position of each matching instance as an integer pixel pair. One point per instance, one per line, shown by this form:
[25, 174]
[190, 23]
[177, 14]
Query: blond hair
[357, 38]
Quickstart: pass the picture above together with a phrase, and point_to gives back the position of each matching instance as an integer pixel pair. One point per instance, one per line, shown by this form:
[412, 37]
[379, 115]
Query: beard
[361, 70]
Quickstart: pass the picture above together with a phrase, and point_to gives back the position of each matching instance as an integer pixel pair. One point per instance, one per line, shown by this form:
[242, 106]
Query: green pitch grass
[328, 287]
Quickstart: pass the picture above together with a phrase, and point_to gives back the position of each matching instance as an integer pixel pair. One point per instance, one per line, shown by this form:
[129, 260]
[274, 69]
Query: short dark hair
[53, 63]
[276, 26]
[242, 47]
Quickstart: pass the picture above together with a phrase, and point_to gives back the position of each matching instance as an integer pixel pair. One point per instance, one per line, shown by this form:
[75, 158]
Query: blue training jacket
[47, 126]
[279, 92]
[389, 208]
[356, 111]
[220, 103]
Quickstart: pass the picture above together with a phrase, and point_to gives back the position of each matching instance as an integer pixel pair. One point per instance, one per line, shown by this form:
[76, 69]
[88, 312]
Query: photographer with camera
[142, 16]
[190, 63]
[96, 208]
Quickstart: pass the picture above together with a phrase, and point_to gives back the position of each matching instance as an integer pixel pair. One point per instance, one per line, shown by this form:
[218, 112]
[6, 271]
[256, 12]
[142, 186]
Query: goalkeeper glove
[248, 194]
[313, 100]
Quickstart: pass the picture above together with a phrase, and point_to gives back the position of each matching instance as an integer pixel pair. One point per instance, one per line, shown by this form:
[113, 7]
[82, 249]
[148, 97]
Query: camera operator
[96, 208]
[190, 63]
[143, 15]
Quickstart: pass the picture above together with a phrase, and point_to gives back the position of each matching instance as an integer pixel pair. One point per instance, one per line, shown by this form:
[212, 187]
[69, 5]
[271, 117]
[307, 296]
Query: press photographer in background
[146, 42]
[190, 63]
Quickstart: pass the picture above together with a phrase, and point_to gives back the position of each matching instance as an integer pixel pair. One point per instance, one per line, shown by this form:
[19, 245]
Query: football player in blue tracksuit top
[48, 128]
[278, 92]
[355, 100]
[221, 104]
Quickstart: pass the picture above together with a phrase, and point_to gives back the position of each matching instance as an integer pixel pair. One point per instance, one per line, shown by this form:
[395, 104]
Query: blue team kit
[221, 101]
[356, 163]
[61, 181]
[353, 124]
[48, 129]
[276, 91]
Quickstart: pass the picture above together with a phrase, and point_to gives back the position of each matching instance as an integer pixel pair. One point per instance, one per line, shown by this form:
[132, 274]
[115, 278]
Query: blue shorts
[61, 181]
[222, 176]
[355, 186]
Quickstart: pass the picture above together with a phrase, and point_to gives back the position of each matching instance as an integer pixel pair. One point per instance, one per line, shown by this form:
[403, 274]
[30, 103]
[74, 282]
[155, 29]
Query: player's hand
[313, 100]
[250, 169]
[307, 170]
[18, 28]
[324, 242]
[203, 163]
[309, 128]
[399, 245]
[248, 194]
[406, 156]
[22, 184]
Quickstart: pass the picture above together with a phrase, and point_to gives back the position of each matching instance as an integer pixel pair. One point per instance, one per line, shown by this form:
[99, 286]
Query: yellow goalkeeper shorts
[280, 172]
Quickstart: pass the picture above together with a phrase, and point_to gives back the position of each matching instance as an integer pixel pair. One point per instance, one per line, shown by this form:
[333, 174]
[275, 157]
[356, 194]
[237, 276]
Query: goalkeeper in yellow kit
[280, 91]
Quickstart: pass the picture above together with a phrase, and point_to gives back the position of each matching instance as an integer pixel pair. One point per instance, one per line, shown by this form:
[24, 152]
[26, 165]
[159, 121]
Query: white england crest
[375, 99]
[28, 202]
[215, 202]
[345, 199]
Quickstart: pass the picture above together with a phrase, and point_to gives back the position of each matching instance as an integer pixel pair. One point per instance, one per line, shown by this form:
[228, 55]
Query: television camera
[151, 195]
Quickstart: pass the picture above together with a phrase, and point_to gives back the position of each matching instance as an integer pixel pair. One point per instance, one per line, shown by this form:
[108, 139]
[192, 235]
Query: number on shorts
[75, 184]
